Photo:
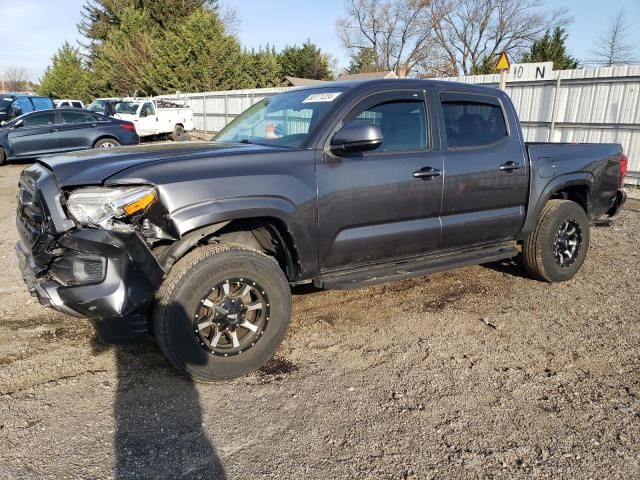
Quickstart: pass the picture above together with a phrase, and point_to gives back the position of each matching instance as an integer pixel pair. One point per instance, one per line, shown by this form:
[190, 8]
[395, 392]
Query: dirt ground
[477, 373]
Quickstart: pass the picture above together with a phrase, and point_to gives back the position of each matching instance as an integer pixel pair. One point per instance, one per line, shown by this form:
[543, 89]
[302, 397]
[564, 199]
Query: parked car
[13, 105]
[69, 103]
[342, 186]
[152, 117]
[62, 130]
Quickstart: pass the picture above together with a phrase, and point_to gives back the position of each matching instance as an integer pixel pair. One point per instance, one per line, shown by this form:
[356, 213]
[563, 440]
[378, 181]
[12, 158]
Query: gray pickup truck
[343, 186]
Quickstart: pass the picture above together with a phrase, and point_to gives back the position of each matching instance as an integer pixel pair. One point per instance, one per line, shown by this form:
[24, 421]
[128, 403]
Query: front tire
[222, 312]
[3, 157]
[557, 247]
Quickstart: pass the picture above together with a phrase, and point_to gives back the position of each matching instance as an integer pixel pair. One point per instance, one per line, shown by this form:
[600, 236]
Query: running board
[415, 267]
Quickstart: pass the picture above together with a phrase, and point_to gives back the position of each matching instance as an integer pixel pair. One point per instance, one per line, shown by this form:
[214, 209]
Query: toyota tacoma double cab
[345, 185]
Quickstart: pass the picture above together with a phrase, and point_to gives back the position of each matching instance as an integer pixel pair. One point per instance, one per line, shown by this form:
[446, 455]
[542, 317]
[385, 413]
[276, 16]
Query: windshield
[128, 108]
[97, 106]
[285, 120]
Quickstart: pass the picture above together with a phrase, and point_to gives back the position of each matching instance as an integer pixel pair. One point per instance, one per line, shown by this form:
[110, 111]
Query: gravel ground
[475, 373]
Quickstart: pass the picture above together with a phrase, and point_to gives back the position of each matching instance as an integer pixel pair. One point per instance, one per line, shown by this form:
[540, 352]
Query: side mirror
[18, 124]
[355, 138]
[143, 113]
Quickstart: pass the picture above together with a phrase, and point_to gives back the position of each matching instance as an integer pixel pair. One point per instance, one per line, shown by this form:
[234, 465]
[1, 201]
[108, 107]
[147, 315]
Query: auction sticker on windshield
[321, 97]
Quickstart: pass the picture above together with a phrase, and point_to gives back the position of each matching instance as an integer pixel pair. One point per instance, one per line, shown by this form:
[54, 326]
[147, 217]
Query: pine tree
[551, 48]
[362, 61]
[307, 61]
[66, 77]
[121, 59]
[198, 56]
[100, 17]
[263, 68]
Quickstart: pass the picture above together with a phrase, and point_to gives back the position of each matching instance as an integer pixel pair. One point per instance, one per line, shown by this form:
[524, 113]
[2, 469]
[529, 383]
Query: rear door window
[42, 103]
[473, 123]
[77, 117]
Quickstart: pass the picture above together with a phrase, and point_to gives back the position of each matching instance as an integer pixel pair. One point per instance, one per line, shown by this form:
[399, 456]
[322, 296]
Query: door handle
[51, 130]
[426, 173]
[510, 167]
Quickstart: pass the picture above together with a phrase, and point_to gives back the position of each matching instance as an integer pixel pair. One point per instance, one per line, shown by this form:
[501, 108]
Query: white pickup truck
[152, 117]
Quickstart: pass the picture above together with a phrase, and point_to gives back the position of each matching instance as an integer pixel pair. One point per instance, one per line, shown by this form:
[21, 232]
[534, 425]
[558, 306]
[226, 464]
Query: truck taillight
[624, 163]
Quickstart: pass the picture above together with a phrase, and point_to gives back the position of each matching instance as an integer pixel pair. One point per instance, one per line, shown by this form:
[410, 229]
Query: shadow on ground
[159, 424]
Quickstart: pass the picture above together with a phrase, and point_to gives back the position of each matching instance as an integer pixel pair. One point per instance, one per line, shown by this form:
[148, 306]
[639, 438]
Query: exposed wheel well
[576, 193]
[265, 234]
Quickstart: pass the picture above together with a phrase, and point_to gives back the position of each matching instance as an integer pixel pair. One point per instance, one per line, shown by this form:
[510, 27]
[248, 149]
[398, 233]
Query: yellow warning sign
[503, 62]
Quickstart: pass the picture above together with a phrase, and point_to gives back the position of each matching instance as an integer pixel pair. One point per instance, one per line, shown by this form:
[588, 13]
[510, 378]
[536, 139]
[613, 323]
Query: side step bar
[415, 267]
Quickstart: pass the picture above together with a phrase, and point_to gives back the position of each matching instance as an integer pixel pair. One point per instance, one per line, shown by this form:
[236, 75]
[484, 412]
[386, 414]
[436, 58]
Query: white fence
[600, 105]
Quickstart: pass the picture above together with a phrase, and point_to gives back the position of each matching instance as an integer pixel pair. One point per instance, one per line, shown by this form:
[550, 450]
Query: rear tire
[179, 134]
[106, 143]
[190, 312]
[556, 249]
[3, 157]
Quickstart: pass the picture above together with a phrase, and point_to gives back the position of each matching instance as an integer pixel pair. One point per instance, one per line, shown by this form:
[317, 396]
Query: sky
[32, 30]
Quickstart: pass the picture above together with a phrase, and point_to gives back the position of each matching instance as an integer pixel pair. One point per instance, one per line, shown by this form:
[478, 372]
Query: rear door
[38, 135]
[372, 207]
[76, 130]
[486, 173]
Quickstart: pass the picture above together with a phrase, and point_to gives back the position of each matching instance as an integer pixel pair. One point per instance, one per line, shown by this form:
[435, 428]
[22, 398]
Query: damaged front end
[92, 263]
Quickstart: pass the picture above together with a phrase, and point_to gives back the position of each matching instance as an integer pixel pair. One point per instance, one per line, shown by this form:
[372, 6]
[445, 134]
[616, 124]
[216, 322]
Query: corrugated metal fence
[585, 105]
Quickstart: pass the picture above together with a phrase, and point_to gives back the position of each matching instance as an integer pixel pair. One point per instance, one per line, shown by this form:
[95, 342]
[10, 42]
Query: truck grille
[32, 217]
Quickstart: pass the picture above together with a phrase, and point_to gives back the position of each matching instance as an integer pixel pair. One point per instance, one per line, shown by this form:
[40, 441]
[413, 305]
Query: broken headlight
[98, 205]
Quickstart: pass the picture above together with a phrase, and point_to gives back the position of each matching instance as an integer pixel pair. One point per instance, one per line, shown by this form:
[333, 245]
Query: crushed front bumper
[118, 305]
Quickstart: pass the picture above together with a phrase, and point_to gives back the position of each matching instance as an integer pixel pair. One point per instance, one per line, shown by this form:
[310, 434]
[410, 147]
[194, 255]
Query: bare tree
[396, 31]
[15, 79]
[444, 37]
[468, 31]
[614, 46]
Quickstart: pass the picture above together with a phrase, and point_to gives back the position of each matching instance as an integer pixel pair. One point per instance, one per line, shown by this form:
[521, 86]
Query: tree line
[162, 46]
[154, 47]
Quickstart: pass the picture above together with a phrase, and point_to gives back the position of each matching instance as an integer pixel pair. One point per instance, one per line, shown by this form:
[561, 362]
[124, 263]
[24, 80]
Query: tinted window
[22, 105]
[403, 125]
[39, 119]
[5, 101]
[42, 103]
[76, 104]
[473, 124]
[77, 117]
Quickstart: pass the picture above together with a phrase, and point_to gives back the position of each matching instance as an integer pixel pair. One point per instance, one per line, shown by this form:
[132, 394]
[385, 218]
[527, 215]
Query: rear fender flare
[540, 194]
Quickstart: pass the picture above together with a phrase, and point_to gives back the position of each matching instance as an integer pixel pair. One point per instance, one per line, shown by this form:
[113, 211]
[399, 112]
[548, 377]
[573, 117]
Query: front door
[486, 172]
[383, 204]
[37, 135]
[147, 120]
